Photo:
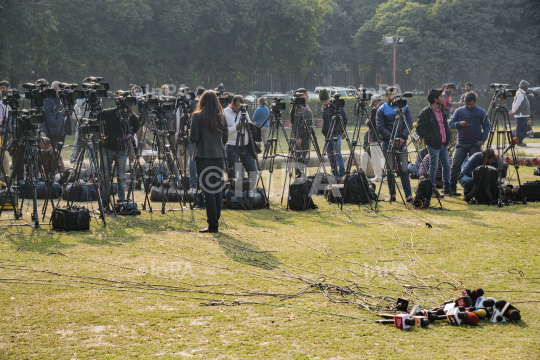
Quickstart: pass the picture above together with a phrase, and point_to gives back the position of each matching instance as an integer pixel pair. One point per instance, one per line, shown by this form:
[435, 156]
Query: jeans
[402, 160]
[121, 163]
[434, 156]
[467, 182]
[192, 167]
[459, 156]
[247, 161]
[337, 159]
[210, 172]
[521, 128]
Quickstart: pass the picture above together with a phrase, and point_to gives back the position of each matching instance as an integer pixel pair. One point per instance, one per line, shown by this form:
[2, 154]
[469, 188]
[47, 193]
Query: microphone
[497, 317]
[481, 313]
[489, 302]
[508, 311]
[464, 301]
[471, 319]
[515, 141]
[404, 321]
[474, 294]
[402, 305]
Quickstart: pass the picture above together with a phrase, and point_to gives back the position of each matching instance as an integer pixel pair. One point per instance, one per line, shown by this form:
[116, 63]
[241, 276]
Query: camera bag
[75, 219]
[299, 198]
[485, 188]
[530, 190]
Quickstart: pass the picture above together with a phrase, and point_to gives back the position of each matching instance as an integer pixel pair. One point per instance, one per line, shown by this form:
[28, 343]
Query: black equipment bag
[10, 202]
[537, 170]
[80, 193]
[127, 207]
[25, 192]
[333, 193]
[321, 181]
[357, 189]
[530, 190]
[299, 197]
[485, 188]
[255, 132]
[75, 219]
[424, 191]
[171, 195]
[256, 201]
[244, 184]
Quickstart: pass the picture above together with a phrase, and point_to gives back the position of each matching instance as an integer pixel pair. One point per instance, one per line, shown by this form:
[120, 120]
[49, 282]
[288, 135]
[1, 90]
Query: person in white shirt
[234, 148]
[4, 113]
[521, 109]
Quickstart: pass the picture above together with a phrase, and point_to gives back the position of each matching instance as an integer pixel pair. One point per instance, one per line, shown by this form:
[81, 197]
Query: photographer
[209, 133]
[301, 129]
[386, 117]
[260, 115]
[338, 130]
[472, 133]
[54, 117]
[232, 118]
[477, 159]
[433, 128]
[4, 115]
[119, 133]
[521, 109]
[377, 157]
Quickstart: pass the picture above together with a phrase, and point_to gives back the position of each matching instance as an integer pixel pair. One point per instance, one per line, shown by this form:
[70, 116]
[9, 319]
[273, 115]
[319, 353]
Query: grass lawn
[152, 287]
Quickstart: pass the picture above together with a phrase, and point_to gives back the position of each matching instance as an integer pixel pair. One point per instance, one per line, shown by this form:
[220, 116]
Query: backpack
[424, 191]
[74, 219]
[357, 189]
[127, 207]
[485, 189]
[299, 198]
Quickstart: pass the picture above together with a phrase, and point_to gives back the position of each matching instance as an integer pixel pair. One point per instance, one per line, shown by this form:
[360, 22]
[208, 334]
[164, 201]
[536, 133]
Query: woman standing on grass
[209, 134]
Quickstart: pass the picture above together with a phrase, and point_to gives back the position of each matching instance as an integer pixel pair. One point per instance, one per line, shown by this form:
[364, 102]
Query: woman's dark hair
[237, 98]
[433, 95]
[210, 111]
[470, 96]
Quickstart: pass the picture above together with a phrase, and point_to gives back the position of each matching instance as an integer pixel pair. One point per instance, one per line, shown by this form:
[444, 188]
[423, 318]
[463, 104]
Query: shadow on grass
[245, 253]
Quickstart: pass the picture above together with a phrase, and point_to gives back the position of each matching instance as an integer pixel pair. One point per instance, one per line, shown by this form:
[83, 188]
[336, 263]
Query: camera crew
[119, 133]
[209, 133]
[232, 117]
[521, 109]
[472, 133]
[54, 117]
[302, 129]
[339, 128]
[261, 114]
[386, 117]
[433, 128]
[377, 157]
[4, 126]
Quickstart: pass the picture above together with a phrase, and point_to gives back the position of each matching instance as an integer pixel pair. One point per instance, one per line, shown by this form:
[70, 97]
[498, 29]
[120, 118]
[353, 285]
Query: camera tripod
[333, 140]
[500, 126]
[360, 113]
[296, 153]
[394, 150]
[270, 150]
[239, 156]
[183, 165]
[166, 157]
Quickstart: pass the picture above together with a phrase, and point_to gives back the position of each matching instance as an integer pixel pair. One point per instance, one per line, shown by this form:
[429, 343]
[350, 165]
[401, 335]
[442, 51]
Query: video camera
[363, 97]
[148, 102]
[501, 91]
[185, 95]
[336, 102]
[124, 99]
[166, 103]
[224, 97]
[11, 98]
[243, 109]
[31, 117]
[400, 100]
[38, 92]
[277, 104]
[93, 91]
[89, 127]
[298, 99]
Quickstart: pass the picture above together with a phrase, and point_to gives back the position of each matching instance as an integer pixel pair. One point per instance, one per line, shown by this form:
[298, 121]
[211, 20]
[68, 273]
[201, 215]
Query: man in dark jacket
[302, 128]
[433, 128]
[386, 117]
[333, 131]
[477, 159]
[54, 116]
[119, 133]
[377, 157]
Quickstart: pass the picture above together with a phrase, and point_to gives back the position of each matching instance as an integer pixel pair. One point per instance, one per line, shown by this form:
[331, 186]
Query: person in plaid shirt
[473, 126]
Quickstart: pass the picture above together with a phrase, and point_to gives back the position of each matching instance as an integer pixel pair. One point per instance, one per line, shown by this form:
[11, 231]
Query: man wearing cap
[302, 129]
[333, 133]
[375, 150]
[521, 109]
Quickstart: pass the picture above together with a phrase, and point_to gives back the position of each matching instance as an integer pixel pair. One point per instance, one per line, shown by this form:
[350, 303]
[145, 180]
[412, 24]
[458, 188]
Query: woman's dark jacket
[208, 145]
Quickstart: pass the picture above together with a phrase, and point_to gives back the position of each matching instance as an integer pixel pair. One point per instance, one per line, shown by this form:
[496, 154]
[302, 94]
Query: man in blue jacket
[473, 130]
[465, 177]
[54, 116]
[260, 115]
[386, 117]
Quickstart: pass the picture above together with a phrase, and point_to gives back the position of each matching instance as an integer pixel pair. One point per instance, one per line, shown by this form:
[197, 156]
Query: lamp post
[390, 42]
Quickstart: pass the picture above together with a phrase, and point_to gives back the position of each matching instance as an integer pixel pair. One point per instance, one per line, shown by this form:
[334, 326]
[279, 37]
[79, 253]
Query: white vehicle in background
[343, 91]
